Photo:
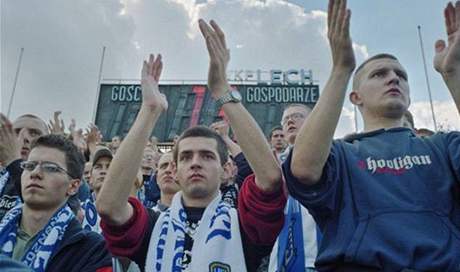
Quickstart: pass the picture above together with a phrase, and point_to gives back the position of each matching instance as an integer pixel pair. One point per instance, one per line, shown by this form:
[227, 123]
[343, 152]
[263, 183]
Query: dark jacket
[80, 250]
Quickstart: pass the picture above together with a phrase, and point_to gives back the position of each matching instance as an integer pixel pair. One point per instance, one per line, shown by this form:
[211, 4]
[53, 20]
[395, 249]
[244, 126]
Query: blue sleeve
[244, 170]
[321, 199]
[453, 149]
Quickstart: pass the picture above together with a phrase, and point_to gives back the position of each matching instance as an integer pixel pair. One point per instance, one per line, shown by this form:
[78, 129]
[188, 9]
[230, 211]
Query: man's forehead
[381, 63]
[197, 144]
[294, 109]
[277, 132]
[165, 158]
[31, 123]
[43, 153]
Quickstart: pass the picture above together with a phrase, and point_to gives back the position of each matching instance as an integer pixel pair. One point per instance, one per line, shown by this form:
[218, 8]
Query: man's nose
[393, 78]
[196, 161]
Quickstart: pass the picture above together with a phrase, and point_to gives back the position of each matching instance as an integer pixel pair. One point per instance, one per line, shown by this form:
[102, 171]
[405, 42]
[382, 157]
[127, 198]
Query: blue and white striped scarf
[217, 242]
[91, 218]
[4, 177]
[45, 242]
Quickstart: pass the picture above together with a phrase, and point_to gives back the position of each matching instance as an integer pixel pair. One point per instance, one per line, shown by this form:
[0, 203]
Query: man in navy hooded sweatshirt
[385, 199]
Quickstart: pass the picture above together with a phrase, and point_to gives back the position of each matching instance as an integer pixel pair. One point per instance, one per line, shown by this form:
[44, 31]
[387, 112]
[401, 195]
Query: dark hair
[273, 130]
[360, 67]
[202, 131]
[75, 162]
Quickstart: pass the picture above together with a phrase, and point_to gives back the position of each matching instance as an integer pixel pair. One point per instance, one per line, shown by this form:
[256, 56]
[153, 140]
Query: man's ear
[355, 98]
[73, 187]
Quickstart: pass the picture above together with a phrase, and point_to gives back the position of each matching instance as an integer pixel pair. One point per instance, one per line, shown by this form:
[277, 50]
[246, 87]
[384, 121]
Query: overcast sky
[63, 41]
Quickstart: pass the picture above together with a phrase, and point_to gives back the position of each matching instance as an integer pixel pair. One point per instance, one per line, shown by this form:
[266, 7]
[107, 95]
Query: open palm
[151, 96]
[447, 58]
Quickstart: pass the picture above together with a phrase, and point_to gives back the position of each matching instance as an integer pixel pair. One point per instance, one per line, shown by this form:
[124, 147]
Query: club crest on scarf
[219, 267]
[46, 241]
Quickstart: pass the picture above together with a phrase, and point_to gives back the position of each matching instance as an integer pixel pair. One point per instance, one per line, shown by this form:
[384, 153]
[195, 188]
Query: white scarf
[217, 242]
[4, 177]
[91, 220]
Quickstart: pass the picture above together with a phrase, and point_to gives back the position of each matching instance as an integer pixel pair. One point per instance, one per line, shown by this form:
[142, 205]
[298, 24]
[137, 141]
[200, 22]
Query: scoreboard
[190, 105]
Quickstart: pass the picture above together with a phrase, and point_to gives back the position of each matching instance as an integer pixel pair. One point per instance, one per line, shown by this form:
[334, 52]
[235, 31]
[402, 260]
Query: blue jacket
[387, 200]
[80, 250]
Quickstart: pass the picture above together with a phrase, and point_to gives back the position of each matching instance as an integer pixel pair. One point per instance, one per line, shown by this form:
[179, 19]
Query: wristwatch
[231, 96]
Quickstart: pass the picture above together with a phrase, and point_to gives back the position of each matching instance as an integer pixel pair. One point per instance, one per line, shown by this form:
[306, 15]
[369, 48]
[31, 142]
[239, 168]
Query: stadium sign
[192, 104]
[272, 77]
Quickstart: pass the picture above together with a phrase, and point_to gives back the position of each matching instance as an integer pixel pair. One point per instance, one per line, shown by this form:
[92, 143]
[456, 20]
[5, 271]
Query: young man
[43, 232]
[100, 165]
[15, 145]
[277, 141]
[166, 181]
[385, 200]
[199, 231]
[297, 245]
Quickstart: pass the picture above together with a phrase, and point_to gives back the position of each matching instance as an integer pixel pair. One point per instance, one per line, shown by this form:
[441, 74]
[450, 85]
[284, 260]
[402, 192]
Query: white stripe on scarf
[46, 241]
[217, 243]
[4, 177]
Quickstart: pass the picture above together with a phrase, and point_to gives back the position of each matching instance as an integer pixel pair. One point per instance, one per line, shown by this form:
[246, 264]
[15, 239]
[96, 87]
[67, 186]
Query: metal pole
[98, 85]
[426, 78]
[15, 82]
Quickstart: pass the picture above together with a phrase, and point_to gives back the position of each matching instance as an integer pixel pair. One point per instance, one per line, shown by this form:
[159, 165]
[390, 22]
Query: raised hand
[57, 127]
[219, 56]
[93, 134]
[151, 96]
[447, 57]
[9, 143]
[221, 128]
[338, 32]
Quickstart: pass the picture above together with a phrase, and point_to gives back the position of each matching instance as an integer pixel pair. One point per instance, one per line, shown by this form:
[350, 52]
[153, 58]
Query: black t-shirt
[192, 222]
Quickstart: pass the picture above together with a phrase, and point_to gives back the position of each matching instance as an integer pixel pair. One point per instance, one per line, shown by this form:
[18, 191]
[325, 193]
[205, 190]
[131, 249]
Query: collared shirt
[23, 243]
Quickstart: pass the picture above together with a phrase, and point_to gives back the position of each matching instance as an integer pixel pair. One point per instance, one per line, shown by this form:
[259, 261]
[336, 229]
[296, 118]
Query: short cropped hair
[360, 67]
[202, 131]
[273, 130]
[75, 162]
[306, 107]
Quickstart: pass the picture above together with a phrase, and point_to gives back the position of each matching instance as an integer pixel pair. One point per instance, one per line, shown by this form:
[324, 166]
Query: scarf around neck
[45, 242]
[217, 242]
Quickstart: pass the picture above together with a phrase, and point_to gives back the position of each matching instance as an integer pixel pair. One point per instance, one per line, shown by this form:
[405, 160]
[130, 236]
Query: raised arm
[250, 137]
[447, 58]
[222, 129]
[314, 140]
[112, 202]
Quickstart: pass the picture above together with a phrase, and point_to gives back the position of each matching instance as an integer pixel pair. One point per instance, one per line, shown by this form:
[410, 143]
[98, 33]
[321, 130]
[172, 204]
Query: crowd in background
[226, 197]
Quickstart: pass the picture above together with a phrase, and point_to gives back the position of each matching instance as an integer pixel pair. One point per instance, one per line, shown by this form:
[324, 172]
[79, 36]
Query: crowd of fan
[386, 199]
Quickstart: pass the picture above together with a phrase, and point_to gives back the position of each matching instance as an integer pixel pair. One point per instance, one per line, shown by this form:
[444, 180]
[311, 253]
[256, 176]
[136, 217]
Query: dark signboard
[190, 105]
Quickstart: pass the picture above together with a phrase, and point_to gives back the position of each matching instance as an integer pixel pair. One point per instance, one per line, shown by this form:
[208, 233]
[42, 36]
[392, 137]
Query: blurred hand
[151, 96]
[9, 143]
[57, 127]
[338, 32]
[447, 57]
[219, 56]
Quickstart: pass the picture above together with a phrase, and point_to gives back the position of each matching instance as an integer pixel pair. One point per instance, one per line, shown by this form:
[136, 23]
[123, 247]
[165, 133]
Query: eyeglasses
[45, 166]
[296, 116]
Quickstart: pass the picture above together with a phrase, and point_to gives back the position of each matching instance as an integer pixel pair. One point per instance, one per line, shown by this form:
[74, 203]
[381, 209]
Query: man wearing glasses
[43, 232]
[296, 247]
